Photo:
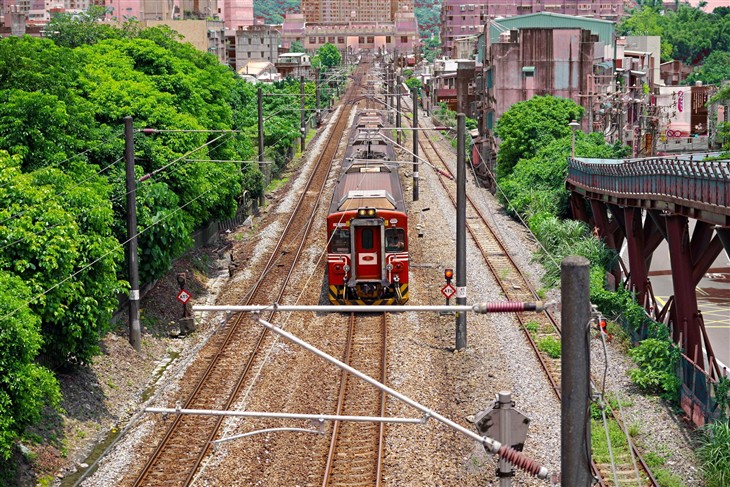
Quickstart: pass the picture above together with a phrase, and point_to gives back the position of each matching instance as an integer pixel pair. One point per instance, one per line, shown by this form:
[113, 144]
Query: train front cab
[359, 271]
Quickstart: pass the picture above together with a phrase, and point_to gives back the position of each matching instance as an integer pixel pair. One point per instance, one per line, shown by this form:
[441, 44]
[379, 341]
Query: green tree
[56, 235]
[297, 46]
[329, 56]
[530, 125]
[537, 184]
[25, 387]
[714, 70]
[74, 30]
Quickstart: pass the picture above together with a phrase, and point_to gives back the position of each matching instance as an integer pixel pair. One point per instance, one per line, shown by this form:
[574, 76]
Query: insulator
[519, 460]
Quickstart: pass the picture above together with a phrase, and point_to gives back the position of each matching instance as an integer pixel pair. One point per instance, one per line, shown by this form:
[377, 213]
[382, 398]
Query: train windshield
[340, 243]
[395, 239]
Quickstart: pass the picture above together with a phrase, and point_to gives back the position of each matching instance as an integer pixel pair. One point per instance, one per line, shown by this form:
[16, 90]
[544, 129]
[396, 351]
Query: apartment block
[461, 20]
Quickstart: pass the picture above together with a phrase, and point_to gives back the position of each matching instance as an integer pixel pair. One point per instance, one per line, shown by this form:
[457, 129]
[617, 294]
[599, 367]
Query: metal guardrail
[686, 180]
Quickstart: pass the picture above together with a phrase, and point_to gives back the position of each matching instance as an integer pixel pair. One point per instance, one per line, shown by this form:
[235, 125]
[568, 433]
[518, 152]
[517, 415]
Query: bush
[25, 387]
[657, 373]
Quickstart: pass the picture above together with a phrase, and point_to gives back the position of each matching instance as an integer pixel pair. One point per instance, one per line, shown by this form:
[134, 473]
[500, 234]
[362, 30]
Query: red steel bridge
[642, 202]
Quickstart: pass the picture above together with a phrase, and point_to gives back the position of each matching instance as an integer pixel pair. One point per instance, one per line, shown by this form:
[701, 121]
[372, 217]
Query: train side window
[366, 239]
[395, 239]
[340, 242]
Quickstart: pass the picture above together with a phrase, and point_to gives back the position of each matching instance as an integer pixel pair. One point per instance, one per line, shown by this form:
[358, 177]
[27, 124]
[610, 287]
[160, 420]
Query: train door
[368, 253]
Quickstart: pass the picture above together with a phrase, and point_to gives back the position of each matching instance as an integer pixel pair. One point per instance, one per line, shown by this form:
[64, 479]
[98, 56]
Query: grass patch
[276, 184]
[715, 454]
[532, 327]
[550, 346]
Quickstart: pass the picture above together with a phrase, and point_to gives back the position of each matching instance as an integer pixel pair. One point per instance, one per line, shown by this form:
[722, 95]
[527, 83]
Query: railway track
[175, 458]
[356, 449]
[541, 329]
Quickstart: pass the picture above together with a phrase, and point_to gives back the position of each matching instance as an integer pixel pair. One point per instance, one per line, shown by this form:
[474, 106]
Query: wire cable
[114, 249]
[98, 173]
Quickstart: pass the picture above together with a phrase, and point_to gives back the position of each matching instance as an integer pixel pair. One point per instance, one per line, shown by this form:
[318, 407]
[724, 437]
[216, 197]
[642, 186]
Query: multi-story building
[327, 11]
[256, 43]
[462, 20]
[353, 25]
[205, 35]
[541, 54]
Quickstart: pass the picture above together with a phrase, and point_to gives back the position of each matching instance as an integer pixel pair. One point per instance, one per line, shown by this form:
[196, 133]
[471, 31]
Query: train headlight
[366, 212]
[347, 268]
[389, 267]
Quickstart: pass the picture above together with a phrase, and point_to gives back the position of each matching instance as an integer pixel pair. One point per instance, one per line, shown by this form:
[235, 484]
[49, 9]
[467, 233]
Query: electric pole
[415, 146]
[460, 230]
[575, 385]
[316, 92]
[302, 127]
[135, 333]
[261, 140]
[397, 110]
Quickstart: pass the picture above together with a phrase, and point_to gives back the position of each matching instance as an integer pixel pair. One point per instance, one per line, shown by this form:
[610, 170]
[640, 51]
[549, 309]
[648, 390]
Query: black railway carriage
[367, 224]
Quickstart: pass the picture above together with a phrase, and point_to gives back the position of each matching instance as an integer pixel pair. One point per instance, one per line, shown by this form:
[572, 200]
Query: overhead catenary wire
[67, 190]
[95, 261]
[113, 200]
[55, 165]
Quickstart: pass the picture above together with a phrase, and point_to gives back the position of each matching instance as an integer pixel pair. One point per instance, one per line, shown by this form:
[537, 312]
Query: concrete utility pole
[302, 127]
[460, 229]
[135, 333]
[575, 386]
[415, 146]
[399, 80]
[261, 139]
[316, 91]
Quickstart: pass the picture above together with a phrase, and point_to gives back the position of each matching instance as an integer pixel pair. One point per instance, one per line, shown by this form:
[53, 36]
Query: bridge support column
[578, 207]
[610, 231]
[685, 313]
[724, 234]
[638, 265]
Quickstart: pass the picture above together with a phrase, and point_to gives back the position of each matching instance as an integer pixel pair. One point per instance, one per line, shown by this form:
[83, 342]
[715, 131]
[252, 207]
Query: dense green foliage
[545, 175]
[25, 387]
[428, 15]
[63, 189]
[530, 125]
[532, 186]
[327, 57]
[273, 11]
[714, 70]
[679, 32]
[658, 361]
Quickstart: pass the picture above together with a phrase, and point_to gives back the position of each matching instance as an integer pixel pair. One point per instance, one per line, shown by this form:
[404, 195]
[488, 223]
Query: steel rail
[506, 289]
[336, 440]
[334, 142]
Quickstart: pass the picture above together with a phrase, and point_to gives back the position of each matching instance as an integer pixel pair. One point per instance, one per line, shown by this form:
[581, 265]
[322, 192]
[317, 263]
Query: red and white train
[367, 223]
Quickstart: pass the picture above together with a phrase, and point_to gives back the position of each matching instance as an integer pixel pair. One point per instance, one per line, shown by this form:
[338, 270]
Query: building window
[528, 71]
[321, 40]
[371, 40]
[312, 40]
[340, 40]
[331, 39]
[361, 40]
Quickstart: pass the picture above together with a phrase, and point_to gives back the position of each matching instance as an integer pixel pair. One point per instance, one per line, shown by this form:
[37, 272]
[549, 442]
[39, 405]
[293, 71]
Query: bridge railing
[700, 181]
